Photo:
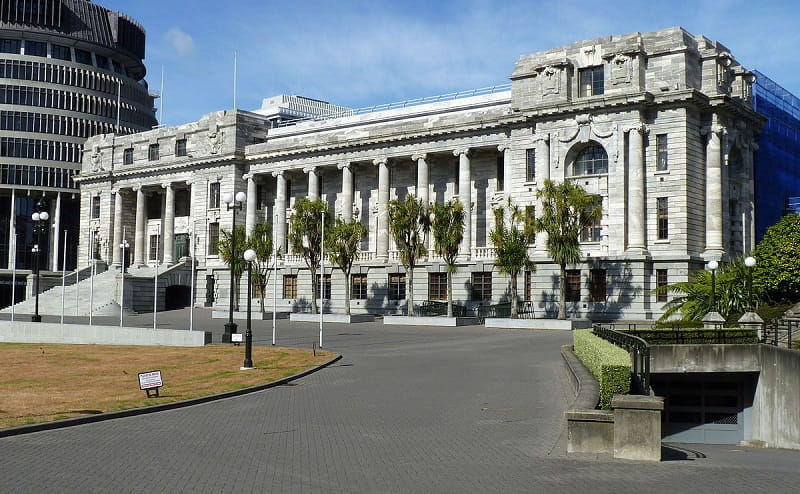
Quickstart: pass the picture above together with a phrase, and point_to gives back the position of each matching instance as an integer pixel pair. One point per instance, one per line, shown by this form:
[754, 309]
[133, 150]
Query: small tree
[511, 235]
[305, 237]
[342, 245]
[260, 240]
[777, 271]
[447, 227]
[408, 224]
[566, 209]
[232, 254]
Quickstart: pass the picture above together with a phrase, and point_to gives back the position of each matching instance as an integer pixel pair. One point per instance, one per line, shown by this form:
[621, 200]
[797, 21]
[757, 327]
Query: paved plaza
[407, 409]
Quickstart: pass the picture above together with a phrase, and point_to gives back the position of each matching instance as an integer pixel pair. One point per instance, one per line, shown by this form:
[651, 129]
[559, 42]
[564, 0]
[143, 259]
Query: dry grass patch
[42, 382]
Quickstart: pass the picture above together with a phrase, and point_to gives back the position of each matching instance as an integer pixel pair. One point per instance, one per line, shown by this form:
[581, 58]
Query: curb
[89, 419]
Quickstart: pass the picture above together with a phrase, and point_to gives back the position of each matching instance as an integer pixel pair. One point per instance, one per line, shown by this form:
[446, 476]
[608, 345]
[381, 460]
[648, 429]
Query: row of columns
[54, 238]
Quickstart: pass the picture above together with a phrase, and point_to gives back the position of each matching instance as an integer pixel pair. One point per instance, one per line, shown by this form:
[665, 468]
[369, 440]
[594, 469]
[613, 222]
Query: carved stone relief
[551, 80]
[214, 137]
[621, 68]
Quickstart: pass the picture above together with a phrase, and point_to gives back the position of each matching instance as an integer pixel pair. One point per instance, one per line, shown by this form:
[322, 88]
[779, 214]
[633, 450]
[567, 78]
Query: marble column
[12, 231]
[313, 182]
[636, 208]
[116, 253]
[139, 247]
[169, 224]
[347, 191]
[542, 170]
[251, 203]
[382, 229]
[465, 198]
[507, 170]
[56, 237]
[423, 187]
[714, 248]
[279, 220]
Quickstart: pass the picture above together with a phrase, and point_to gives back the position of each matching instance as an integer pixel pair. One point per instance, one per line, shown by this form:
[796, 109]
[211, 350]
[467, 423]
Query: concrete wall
[704, 358]
[33, 332]
[776, 415]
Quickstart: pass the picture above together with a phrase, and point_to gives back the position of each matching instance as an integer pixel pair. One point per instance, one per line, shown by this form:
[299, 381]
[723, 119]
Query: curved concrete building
[69, 69]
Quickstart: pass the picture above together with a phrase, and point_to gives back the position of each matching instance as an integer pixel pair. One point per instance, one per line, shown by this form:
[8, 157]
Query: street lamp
[713, 265]
[249, 256]
[233, 203]
[39, 225]
[750, 262]
[124, 245]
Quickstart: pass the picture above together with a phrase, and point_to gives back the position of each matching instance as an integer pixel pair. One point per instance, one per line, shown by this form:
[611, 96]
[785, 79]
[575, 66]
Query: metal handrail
[637, 347]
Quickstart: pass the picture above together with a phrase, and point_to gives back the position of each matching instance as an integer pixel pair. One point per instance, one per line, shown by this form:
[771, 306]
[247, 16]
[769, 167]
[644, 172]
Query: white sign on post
[149, 381]
[236, 338]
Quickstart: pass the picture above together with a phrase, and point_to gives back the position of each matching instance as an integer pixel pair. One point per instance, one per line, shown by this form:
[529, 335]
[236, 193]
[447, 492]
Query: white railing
[483, 253]
[366, 255]
[394, 255]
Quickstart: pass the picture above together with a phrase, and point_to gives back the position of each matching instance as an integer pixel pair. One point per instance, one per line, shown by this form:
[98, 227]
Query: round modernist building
[69, 69]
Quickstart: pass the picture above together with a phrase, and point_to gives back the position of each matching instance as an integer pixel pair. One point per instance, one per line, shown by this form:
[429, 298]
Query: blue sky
[360, 54]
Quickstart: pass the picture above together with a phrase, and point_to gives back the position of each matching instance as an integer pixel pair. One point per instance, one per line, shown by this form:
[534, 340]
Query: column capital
[541, 137]
[714, 128]
[248, 176]
[137, 188]
[380, 161]
[278, 173]
[419, 156]
[637, 127]
[460, 151]
[166, 185]
[503, 147]
[343, 165]
[309, 169]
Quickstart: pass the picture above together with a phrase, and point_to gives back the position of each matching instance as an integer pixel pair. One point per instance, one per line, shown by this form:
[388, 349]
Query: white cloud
[182, 43]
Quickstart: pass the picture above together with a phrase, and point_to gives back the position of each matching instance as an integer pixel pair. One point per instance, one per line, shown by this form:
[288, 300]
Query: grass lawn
[43, 382]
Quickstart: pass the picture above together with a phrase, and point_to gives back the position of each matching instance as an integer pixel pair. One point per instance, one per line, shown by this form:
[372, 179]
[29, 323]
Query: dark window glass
[83, 56]
[60, 52]
[213, 195]
[482, 286]
[592, 160]
[213, 239]
[153, 207]
[661, 281]
[127, 156]
[359, 287]
[590, 81]
[180, 147]
[182, 202]
[10, 46]
[528, 284]
[95, 207]
[500, 173]
[397, 286]
[437, 286]
[290, 286]
[36, 49]
[152, 152]
[573, 285]
[530, 165]
[102, 62]
[598, 285]
[661, 145]
[662, 206]
[326, 286]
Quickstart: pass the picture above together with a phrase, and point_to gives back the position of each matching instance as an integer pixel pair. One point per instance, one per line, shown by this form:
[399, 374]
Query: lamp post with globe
[712, 266]
[233, 203]
[249, 257]
[39, 226]
[750, 263]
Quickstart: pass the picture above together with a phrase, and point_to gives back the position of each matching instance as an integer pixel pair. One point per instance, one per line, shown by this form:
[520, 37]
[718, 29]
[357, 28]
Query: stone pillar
[169, 224]
[251, 203]
[347, 191]
[279, 226]
[139, 247]
[507, 170]
[542, 174]
[57, 237]
[422, 177]
[636, 209]
[382, 230]
[465, 197]
[12, 231]
[637, 427]
[714, 248]
[116, 253]
[313, 182]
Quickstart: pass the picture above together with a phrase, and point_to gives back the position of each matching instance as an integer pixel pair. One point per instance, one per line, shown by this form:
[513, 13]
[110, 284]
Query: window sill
[661, 172]
[661, 241]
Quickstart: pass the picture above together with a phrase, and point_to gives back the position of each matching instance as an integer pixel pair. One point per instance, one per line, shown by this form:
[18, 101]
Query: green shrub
[696, 336]
[608, 363]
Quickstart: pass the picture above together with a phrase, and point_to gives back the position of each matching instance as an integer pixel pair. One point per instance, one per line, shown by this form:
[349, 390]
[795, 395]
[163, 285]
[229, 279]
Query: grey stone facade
[659, 125]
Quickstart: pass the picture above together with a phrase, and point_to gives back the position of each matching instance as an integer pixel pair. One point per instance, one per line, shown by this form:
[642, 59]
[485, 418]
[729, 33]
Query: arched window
[591, 161]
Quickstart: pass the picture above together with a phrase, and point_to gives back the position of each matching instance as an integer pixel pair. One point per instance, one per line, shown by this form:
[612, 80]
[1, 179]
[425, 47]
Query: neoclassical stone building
[659, 125]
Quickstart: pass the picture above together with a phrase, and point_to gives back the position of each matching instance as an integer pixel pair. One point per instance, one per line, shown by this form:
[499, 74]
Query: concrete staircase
[76, 298]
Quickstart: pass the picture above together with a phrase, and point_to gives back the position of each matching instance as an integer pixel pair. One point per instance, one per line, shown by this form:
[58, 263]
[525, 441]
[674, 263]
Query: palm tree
[566, 210]
[447, 225]
[510, 238]
[408, 224]
[305, 237]
[231, 254]
[342, 246]
[260, 240]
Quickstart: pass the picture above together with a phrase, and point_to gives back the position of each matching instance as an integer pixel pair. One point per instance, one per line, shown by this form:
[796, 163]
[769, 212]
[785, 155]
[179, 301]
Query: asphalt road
[405, 410]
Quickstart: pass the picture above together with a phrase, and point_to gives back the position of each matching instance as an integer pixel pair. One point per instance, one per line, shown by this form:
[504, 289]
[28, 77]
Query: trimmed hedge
[696, 336]
[608, 363]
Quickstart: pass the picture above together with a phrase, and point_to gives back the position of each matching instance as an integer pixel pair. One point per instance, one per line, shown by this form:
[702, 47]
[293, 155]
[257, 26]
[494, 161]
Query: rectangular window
[213, 239]
[530, 220]
[359, 287]
[573, 285]
[598, 285]
[661, 281]
[326, 286]
[183, 203]
[661, 146]
[127, 156]
[154, 247]
[593, 231]
[152, 152]
[95, 207]
[180, 147]
[500, 173]
[437, 286]
[528, 284]
[213, 195]
[35, 48]
[10, 46]
[397, 286]
[530, 165]
[590, 81]
[102, 62]
[83, 56]
[290, 286]
[482, 286]
[662, 207]
[60, 52]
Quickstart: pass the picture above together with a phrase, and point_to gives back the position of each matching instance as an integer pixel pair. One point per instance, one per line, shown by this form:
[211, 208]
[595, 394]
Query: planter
[567, 324]
[337, 318]
[430, 321]
[242, 315]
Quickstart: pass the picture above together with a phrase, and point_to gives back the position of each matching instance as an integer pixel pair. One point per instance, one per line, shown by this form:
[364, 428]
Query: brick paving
[406, 410]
